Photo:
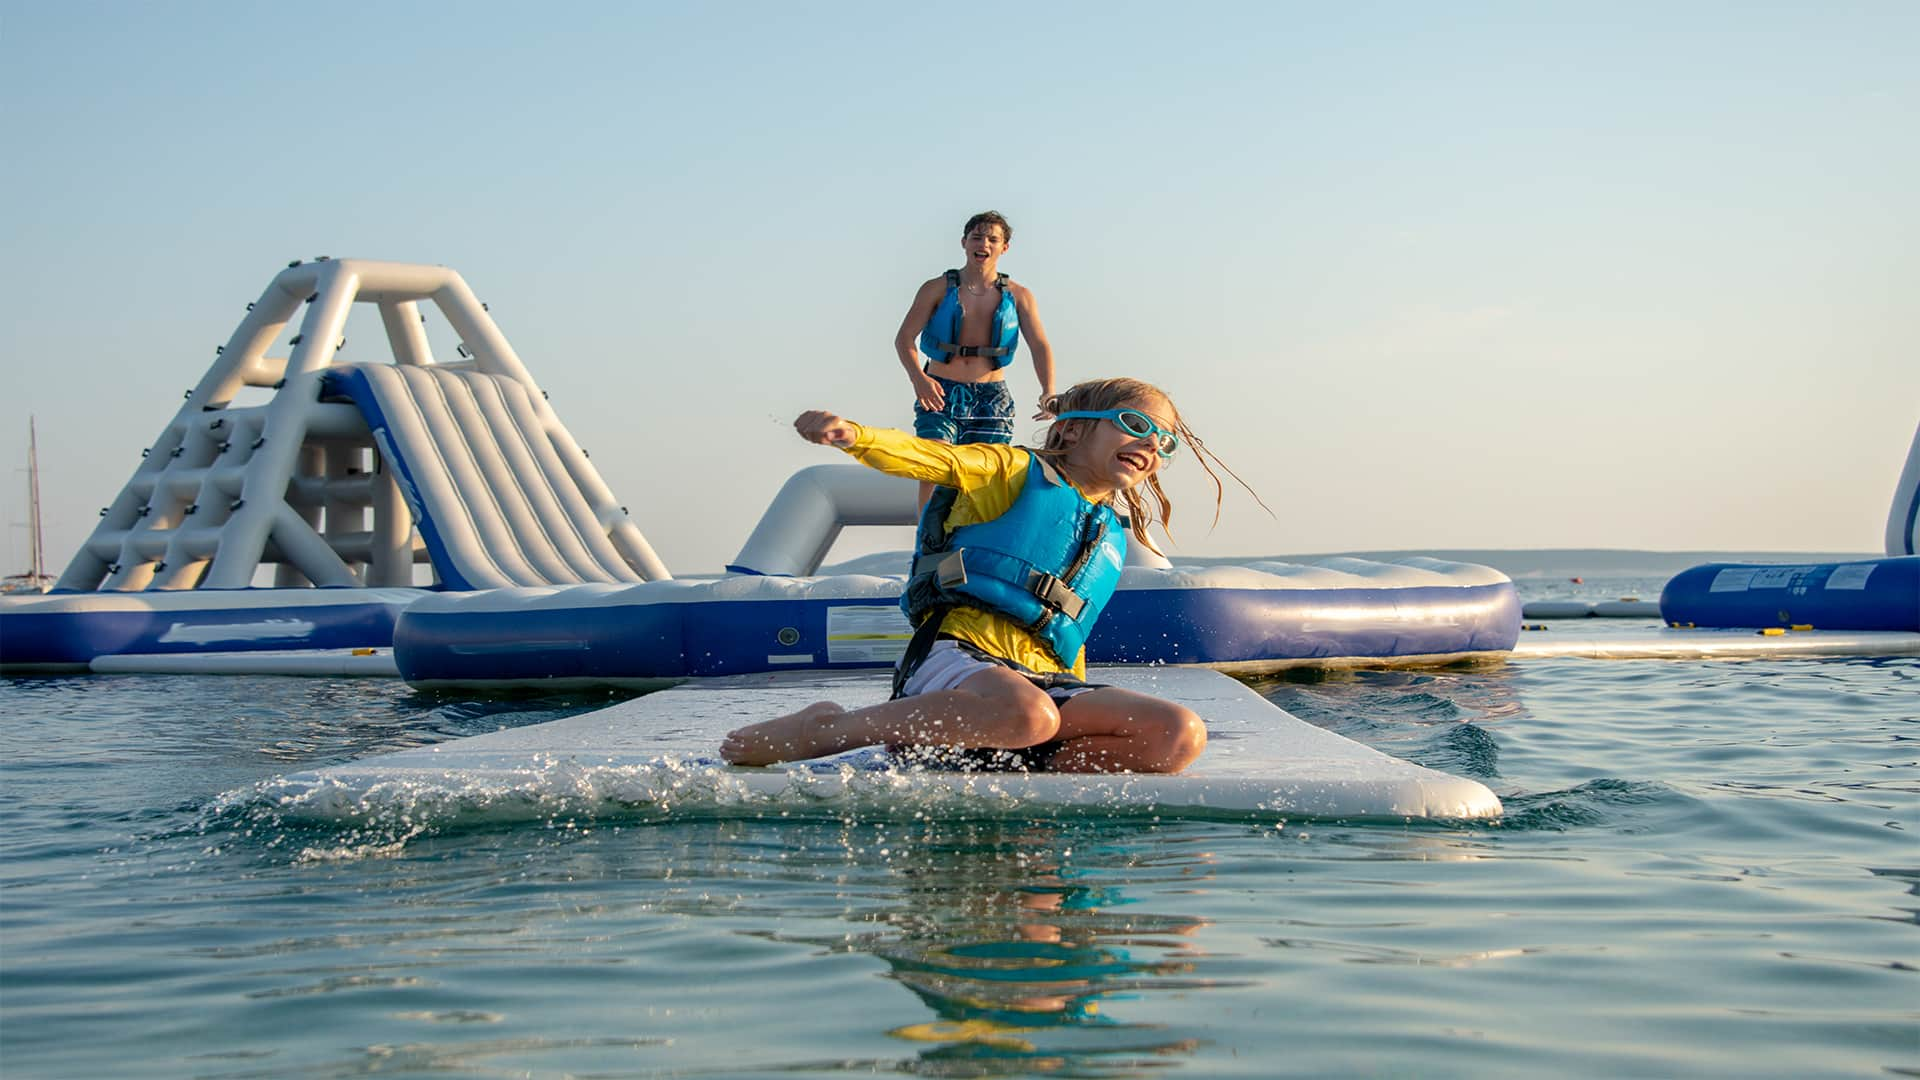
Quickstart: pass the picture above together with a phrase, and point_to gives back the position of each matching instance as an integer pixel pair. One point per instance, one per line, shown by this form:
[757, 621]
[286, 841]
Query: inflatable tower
[350, 474]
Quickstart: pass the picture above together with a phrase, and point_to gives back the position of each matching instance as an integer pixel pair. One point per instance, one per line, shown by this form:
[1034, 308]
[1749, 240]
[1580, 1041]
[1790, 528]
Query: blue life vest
[1050, 563]
[938, 340]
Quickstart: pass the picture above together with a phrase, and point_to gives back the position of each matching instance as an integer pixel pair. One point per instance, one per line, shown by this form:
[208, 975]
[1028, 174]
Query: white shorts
[948, 664]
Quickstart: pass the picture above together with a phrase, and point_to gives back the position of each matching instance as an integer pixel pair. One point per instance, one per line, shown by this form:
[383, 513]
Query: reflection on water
[1019, 945]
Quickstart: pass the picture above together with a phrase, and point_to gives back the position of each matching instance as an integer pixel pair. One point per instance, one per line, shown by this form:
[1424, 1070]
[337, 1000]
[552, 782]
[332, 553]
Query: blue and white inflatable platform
[1243, 619]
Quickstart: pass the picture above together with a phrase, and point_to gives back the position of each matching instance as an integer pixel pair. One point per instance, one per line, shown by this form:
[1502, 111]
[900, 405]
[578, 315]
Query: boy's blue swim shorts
[976, 412]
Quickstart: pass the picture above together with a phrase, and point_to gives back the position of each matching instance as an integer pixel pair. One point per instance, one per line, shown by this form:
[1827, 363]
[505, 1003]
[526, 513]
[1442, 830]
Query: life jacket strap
[918, 647]
[972, 350]
[949, 568]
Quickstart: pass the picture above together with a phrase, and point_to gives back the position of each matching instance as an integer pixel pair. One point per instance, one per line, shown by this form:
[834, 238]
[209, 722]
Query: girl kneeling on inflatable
[1018, 552]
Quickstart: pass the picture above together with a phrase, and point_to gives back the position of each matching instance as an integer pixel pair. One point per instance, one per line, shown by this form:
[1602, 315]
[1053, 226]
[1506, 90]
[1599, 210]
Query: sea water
[1705, 869]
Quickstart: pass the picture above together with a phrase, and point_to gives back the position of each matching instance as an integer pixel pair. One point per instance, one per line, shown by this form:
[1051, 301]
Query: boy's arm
[906, 344]
[1036, 336]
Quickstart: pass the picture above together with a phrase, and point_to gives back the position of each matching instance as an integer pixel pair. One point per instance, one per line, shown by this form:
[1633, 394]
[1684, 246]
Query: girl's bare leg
[1115, 730]
[992, 708]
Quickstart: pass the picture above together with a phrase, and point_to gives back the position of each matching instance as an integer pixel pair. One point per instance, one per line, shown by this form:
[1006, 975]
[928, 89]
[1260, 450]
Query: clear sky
[1484, 275]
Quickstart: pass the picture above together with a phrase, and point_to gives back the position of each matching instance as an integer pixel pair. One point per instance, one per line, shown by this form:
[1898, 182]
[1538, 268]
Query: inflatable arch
[816, 503]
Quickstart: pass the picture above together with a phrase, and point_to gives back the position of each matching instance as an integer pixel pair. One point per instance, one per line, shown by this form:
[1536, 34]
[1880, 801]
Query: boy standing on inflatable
[960, 334]
[1018, 553]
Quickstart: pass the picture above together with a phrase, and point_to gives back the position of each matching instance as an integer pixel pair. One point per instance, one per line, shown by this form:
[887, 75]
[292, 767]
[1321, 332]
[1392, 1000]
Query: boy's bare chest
[976, 313]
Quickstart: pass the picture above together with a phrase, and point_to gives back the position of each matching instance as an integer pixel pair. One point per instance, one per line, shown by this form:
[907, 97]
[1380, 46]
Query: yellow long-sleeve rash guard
[989, 477]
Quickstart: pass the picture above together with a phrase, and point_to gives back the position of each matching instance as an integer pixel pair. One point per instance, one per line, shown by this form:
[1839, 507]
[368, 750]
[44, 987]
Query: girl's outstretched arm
[992, 471]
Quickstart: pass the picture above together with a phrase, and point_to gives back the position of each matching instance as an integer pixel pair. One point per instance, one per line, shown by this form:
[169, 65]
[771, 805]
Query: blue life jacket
[1050, 563]
[938, 340]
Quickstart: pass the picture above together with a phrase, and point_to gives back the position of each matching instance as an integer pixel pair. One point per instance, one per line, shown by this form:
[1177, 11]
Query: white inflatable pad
[364, 663]
[654, 756]
[1670, 643]
[1627, 607]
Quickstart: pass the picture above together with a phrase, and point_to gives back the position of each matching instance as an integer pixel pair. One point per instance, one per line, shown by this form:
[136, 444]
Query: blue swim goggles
[1133, 422]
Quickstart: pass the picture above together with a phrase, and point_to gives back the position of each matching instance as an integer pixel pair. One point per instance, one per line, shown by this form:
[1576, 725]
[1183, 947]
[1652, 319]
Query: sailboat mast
[33, 496]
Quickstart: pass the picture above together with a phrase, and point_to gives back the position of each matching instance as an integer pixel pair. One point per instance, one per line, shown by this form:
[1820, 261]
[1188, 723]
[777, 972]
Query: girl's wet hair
[1100, 395]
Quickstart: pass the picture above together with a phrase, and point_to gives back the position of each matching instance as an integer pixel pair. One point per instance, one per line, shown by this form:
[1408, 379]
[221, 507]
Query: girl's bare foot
[812, 732]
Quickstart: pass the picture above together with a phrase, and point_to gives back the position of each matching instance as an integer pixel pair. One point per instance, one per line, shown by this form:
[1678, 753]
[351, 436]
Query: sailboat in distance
[34, 579]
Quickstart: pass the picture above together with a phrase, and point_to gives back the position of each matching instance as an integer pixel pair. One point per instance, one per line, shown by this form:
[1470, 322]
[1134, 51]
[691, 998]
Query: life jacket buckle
[1055, 594]
[952, 569]
[948, 568]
